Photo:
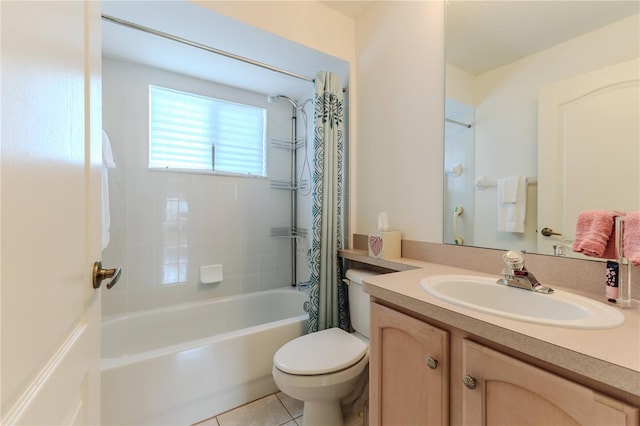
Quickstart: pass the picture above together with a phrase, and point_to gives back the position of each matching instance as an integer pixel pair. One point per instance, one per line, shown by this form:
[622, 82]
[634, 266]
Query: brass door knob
[100, 274]
[547, 232]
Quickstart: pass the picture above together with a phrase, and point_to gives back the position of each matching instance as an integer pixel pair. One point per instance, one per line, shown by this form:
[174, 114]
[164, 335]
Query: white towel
[508, 189]
[107, 163]
[512, 204]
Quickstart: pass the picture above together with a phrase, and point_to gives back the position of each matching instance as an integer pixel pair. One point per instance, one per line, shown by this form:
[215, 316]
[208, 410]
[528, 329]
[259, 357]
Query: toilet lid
[324, 352]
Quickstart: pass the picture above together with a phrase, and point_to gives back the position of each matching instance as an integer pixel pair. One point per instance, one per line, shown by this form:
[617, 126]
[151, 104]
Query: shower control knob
[432, 363]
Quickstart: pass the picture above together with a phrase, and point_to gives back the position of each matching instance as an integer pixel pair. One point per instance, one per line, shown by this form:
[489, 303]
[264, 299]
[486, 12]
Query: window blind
[193, 132]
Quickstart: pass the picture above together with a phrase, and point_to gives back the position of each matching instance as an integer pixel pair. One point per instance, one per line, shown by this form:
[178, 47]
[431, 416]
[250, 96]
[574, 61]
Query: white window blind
[192, 132]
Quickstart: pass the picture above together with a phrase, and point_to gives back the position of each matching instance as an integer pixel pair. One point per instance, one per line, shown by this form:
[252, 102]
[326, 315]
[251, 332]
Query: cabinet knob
[432, 363]
[469, 381]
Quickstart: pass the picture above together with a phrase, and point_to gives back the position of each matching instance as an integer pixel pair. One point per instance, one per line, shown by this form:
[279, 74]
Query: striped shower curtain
[328, 300]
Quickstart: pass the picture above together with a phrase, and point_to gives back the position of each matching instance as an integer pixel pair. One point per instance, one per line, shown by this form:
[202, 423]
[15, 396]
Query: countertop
[609, 356]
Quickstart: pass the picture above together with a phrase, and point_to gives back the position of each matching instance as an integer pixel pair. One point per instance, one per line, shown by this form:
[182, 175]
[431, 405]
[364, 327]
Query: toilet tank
[359, 300]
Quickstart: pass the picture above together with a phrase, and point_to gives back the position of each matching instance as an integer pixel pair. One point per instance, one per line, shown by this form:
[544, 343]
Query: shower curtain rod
[203, 47]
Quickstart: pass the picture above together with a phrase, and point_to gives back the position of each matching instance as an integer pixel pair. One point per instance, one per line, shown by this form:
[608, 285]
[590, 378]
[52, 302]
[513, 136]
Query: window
[196, 133]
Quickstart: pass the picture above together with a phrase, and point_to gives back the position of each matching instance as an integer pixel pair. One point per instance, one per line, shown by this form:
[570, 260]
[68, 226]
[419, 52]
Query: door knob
[100, 274]
[547, 232]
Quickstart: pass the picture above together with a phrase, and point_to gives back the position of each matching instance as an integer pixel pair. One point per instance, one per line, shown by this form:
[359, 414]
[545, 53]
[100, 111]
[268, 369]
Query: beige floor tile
[263, 412]
[293, 406]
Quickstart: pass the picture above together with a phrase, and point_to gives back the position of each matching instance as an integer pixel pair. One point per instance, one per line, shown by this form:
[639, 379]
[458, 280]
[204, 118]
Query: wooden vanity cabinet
[502, 390]
[409, 370]
[489, 387]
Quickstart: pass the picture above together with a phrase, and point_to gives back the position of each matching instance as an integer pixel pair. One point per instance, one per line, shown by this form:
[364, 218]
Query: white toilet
[322, 368]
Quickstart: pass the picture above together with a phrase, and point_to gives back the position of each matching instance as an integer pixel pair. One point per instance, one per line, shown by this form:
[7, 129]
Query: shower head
[276, 98]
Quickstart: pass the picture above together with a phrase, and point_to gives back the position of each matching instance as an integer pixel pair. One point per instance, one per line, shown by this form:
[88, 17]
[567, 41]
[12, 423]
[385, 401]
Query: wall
[506, 101]
[221, 220]
[305, 22]
[319, 27]
[400, 75]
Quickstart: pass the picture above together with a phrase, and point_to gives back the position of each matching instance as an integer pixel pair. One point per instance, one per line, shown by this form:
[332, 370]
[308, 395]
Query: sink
[559, 309]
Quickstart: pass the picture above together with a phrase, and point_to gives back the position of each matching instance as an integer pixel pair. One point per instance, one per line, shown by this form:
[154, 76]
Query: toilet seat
[324, 352]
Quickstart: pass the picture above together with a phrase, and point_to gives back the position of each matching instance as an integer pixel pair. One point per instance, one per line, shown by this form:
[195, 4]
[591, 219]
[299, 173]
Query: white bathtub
[180, 365]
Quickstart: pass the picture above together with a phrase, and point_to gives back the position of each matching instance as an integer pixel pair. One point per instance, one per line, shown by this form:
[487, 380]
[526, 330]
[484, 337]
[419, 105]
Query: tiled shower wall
[165, 225]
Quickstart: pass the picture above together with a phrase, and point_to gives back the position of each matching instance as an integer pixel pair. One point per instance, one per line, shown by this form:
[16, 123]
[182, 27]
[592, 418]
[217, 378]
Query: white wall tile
[166, 225]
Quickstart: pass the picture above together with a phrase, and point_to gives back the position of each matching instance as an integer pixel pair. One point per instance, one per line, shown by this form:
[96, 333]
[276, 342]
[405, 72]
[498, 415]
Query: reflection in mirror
[534, 90]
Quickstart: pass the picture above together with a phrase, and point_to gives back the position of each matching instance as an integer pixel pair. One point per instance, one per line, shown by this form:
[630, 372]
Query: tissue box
[385, 245]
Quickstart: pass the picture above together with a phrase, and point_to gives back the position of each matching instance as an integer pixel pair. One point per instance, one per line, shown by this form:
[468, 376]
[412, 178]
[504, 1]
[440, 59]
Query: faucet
[517, 275]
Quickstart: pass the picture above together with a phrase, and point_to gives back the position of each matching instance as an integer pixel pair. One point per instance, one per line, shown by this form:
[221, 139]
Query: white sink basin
[559, 309]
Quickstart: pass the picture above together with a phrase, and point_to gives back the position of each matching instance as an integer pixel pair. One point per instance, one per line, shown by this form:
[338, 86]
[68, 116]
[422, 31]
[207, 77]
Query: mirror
[507, 63]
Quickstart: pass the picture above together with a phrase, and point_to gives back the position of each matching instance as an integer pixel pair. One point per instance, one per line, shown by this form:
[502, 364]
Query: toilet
[322, 368]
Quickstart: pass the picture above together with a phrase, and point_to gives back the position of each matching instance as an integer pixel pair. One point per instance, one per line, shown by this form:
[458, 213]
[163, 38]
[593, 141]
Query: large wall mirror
[547, 91]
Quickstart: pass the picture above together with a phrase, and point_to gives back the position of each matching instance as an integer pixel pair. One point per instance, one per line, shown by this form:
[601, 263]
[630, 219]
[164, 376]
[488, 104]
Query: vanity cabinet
[502, 390]
[485, 386]
[409, 370]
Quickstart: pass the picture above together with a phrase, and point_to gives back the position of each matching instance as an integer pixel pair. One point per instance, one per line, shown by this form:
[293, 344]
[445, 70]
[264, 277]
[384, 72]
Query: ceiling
[352, 9]
[482, 34]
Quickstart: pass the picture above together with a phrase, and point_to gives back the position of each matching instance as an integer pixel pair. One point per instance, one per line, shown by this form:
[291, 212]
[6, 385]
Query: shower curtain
[328, 301]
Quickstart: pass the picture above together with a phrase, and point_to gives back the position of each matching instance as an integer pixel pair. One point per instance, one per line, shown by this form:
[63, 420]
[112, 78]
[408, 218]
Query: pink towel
[595, 234]
[631, 237]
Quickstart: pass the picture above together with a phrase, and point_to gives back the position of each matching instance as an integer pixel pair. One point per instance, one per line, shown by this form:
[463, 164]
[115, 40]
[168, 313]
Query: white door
[588, 148]
[50, 212]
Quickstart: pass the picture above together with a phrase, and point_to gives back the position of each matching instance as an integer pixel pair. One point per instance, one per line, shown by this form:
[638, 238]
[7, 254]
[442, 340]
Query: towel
[595, 234]
[512, 204]
[631, 237]
[107, 163]
[508, 189]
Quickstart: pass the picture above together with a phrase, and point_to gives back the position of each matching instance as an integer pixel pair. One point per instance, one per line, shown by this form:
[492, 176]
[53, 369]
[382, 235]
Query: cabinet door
[511, 392]
[409, 370]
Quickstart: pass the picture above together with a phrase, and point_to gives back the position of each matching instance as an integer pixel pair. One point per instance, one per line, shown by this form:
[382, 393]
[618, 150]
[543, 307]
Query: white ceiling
[482, 34]
[352, 9]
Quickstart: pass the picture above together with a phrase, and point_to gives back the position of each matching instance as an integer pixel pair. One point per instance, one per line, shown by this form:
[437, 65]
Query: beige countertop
[609, 356]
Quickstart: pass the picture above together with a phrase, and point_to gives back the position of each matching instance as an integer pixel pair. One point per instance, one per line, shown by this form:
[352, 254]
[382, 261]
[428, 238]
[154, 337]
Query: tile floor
[277, 409]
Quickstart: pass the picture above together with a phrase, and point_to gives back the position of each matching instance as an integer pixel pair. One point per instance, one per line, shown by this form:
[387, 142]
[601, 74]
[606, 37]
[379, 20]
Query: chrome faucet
[517, 275]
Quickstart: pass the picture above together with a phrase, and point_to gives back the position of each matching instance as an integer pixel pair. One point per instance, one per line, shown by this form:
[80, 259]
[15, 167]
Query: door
[588, 148]
[409, 370]
[501, 390]
[50, 212]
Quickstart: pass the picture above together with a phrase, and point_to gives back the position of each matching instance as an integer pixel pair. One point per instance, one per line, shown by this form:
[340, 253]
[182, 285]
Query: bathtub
[183, 364]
